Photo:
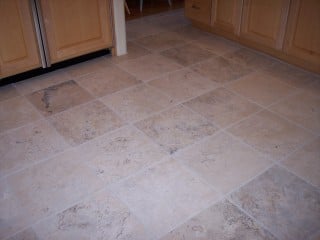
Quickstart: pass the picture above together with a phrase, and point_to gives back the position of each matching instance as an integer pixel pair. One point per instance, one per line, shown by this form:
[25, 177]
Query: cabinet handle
[195, 7]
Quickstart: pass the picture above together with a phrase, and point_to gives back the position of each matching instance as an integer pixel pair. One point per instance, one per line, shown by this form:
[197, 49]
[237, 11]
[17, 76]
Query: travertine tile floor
[189, 136]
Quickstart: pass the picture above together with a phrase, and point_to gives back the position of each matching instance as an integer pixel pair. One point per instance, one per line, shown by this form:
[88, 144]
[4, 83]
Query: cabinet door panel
[74, 28]
[303, 35]
[264, 22]
[18, 44]
[199, 10]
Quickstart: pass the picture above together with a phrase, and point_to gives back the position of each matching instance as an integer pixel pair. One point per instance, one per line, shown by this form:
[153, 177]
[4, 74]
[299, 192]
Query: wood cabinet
[264, 22]
[199, 10]
[303, 32]
[18, 43]
[74, 28]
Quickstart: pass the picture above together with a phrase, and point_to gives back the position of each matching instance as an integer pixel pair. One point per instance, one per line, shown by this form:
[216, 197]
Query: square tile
[109, 80]
[58, 98]
[99, 217]
[261, 88]
[43, 81]
[250, 59]
[286, 205]
[187, 54]
[306, 162]
[134, 51]
[182, 85]
[301, 108]
[223, 162]
[164, 196]
[222, 107]
[85, 122]
[271, 134]
[137, 103]
[120, 153]
[217, 45]
[176, 128]
[221, 70]
[161, 41]
[190, 33]
[43, 189]
[139, 28]
[16, 112]
[222, 221]
[168, 21]
[27, 145]
[150, 66]
[313, 88]
[7, 92]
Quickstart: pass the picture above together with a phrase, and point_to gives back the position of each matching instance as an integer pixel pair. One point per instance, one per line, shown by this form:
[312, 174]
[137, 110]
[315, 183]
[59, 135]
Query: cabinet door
[18, 44]
[76, 27]
[303, 34]
[199, 10]
[227, 15]
[264, 22]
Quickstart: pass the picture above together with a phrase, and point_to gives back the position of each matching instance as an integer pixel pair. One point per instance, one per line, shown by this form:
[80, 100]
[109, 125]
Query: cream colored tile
[190, 33]
[224, 162]
[164, 196]
[43, 81]
[168, 21]
[27, 145]
[109, 80]
[217, 45]
[187, 54]
[306, 162]
[183, 84]
[271, 134]
[7, 92]
[58, 98]
[301, 108]
[313, 88]
[120, 153]
[150, 66]
[222, 107]
[85, 122]
[261, 88]
[176, 128]
[134, 51]
[221, 70]
[16, 112]
[139, 28]
[137, 103]
[44, 189]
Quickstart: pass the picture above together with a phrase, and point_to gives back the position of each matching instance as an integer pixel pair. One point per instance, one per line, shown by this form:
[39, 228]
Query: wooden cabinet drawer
[199, 10]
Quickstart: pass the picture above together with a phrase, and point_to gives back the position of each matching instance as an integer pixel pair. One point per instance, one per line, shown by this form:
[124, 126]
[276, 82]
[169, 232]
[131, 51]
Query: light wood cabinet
[74, 28]
[264, 22]
[199, 10]
[18, 43]
[303, 32]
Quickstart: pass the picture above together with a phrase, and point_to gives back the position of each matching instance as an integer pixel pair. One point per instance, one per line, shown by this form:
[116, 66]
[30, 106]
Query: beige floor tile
[250, 59]
[224, 162]
[301, 108]
[222, 221]
[134, 51]
[85, 122]
[140, 28]
[306, 162]
[58, 97]
[86, 67]
[183, 84]
[150, 66]
[222, 107]
[176, 128]
[261, 88]
[137, 103]
[187, 54]
[285, 204]
[164, 196]
[109, 80]
[168, 21]
[99, 217]
[190, 33]
[315, 236]
[221, 70]
[216, 44]
[27, 145]
[16, 112]
[160, 41]
[7, 92]
[271, 134]
[43, 81]
[313, 88]
[44, 189]
[292, 75]
[120, 153]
